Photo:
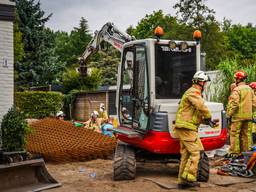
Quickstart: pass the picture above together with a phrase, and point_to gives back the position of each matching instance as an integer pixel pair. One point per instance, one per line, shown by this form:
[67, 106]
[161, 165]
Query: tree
[62, 48]
[146, 26]
[196, 14]
[107, 62]
[18, 43]
[36, 40]
[18, 48]
[172, 29]
[79, 38]
[48, 64]
[213, 43]
[241, 41]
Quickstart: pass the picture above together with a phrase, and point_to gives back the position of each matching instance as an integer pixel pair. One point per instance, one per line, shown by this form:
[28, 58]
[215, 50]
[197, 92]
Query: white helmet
[102, 105]
[94, 114]
[124, 110]
[201, 76]
[60, 113]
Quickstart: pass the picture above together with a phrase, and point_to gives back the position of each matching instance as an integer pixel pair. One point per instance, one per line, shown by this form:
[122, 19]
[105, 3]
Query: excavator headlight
[183, 46]
[172, 44]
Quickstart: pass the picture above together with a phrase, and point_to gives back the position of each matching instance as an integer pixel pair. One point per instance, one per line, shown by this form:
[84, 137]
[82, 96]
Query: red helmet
[253, 85]
[241, 75]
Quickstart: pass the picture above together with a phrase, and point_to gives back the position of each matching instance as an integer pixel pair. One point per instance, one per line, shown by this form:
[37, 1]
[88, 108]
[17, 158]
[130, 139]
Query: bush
[39, 104]
[14, 129]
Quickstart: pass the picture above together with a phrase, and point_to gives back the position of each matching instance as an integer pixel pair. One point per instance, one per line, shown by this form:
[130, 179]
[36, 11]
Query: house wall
[86, 103]
[6, 71]
[6, 56]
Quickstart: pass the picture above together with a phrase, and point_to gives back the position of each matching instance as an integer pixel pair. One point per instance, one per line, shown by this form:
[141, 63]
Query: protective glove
[228, 120]
[211, 123]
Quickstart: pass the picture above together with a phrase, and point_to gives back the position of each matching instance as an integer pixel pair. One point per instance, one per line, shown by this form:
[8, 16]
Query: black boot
[186, 185]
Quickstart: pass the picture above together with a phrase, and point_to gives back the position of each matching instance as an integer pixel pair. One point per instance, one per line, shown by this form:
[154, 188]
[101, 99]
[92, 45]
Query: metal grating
[60, 141]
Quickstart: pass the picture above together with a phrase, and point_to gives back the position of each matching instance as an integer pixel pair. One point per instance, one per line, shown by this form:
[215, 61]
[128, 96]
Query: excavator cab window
[129, 62]
[174, 71]
[135, 102]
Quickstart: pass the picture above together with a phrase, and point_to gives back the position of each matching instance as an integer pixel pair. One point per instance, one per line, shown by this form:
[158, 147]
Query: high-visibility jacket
[93, 124]
[241, 103]
[232, 86]
[192, 109]
[254, 112]
[103, 115]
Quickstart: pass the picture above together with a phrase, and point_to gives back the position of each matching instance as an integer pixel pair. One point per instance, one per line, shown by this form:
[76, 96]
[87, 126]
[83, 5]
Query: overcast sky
[67, 13]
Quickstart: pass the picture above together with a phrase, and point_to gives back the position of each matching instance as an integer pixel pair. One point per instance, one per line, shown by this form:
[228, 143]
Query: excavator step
[124, 131]
[28, 175]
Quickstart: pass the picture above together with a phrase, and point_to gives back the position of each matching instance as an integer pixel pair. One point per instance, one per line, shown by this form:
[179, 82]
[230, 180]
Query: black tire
[124, 162]
[203, 168]
[9, 159]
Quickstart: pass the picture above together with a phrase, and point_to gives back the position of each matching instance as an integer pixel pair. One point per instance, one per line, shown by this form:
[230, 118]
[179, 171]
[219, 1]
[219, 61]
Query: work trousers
[253, 125]
[190, 147]
[240, 136]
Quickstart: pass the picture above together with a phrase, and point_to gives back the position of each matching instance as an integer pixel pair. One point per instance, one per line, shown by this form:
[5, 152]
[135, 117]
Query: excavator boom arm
[108, 33]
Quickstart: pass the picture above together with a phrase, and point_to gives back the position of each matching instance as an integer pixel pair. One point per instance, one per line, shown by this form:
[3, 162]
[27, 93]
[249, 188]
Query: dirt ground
[96, 176]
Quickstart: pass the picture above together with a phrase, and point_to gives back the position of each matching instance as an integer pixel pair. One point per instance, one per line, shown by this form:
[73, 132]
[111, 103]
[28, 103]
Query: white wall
[6, 72]
[7, 2]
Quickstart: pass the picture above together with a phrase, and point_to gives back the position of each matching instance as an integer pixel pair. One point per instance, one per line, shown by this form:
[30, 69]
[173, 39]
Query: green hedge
[39, 104]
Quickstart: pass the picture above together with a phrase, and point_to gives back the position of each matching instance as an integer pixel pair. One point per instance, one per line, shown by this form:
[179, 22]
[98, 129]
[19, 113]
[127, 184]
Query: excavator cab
[156, 71]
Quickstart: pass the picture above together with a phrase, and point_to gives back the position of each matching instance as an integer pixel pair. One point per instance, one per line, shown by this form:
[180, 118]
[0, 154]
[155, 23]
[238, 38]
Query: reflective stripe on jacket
[192, 109]
[241, 103]
[253, 106]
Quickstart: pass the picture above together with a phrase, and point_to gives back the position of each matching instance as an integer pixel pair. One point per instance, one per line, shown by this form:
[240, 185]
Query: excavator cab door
[134, 89]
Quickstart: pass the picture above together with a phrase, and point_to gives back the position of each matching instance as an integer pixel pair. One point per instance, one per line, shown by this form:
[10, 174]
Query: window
[134, 103]
[174, 71]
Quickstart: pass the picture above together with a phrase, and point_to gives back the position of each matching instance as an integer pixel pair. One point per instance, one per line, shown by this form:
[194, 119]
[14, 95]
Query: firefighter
[232, 87]
[92, 123]
[60, 115]
[239, 111]
[191, 113]
[253, 124]
[103, 114]
[126, 114]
